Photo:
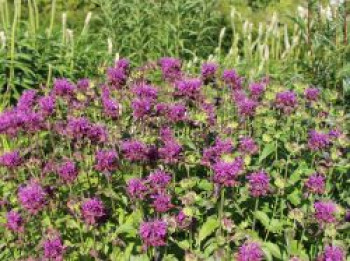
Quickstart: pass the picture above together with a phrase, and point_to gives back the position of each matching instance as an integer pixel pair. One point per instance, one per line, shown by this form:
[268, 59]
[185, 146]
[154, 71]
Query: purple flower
[176, 112]
[214, 153]
[312, 94]
[111, 108]
[209, 109]
[208, 71]
[182, 220]
[238, 95]
[250, 251]
[158, 180]
[189, 87]
[11, 159]
[136, 188]
[32, 197]
[259, 183]
[232, 79]
[54, 249]
[325, 211]
[47, 105]
[106, 160]
[318, 140]
[170, 152]
[93, 211]
[117, 77]
[83, 84]
[27, 100]
[77, 128]
[62, 87]
[161, 202]
[332, 253]
[247, 107]
[286, 101]
[97, 133]
[134, 150]
[14, 221]
[171, 68]
[225, 173]
[141, 108]
[68, 171]
[256, 89]
[123, 64]
[248, 146]
[316, 184]
[145, 91]
[153, 233]
[334, 133]
[166, 134]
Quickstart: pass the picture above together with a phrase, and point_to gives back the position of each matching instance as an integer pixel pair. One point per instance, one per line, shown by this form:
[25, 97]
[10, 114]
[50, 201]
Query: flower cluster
[93, 211]
[258, 183]
[325, 211]
[286, 101]
[153, 233]
[32, 197]
[250, 251]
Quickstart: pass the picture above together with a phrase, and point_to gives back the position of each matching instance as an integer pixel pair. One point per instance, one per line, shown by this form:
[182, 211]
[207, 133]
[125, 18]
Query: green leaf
[208, 228]
[268, 149]
[263, 218]
[273, 249]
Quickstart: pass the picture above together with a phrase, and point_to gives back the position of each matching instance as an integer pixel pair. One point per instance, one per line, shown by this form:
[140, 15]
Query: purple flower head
[238, 95]
[14, 221]
[208, 71]
[136, 188]
[123, 64]
[318, 140]
[106, 160]
[145, 91]
[47, 105]
[256, 89]
[97, 133]
[325, 211]
[248, 146]
[134, 150]
[54, 249]
[141, 108]
[83, 84]
[170, 152]
[247, 107]
[161, 202]
[93, 211]
[335, 133]
[77, 128]
[209, 109]
[11, 159]
[166, 134]
[213, 154]
[30, 121]
[316, 184]
[250, 251]
[286, 101]
[62, 87]
[312, 94]
[158, 180]
[117, 77]
[189, 87]
[27, 100]
[32, 197]
[332, 253]
[232, 79]
[225, 173]
[182, 220]
[259, 183]
[171, 68]
[176, 112]
[153, 233]
[111, 108]
[68, 171]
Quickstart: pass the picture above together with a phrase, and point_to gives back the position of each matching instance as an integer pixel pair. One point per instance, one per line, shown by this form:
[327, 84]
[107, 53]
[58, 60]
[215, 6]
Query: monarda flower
[312, 94]
[47, 105]
[259, 183]
[54, 249]
[212, 154]
[325, 211]
[182, 220]
[316, 184]
[117, 77]
[106, 160]
[77, 128]
[189, 88]
[208, 72]
[158, 180]
[14, 221]
[145, 91]
[332, 253]
[232, 79]
[256, 89]
[176, 113]
[11, 159]
[171, 68]
[111, 108]
[335, 133]
[123, 64]
[247, 107]
[134, 150]
[153, 233]
[83, 84]
[250, 251]
[248, 146]
[32, 197]
[226, 173]
[141, 108]
[63, 87]
[27, 100]
[170, 152]
[136, 188]
[286, 101]
[93, 211]
[97, 133]
[318, 140]
[68, 171]
[161, 202]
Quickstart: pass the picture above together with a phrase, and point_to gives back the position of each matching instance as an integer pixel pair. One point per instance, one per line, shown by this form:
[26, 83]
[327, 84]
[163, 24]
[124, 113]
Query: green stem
[255, 209]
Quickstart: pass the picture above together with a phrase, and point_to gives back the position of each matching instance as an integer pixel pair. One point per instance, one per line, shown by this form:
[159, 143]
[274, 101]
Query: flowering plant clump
[157, 163]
